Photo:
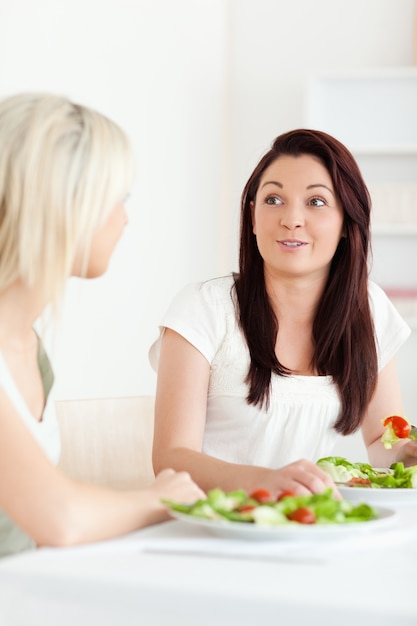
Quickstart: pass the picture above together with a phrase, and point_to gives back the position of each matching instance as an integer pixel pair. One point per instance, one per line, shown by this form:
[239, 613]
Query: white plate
[242, 530]
[379, 496]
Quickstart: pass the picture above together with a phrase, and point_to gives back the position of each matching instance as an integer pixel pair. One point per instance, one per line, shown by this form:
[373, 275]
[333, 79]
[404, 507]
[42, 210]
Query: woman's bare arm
[387, 401]
[180, 416]
[55, 510]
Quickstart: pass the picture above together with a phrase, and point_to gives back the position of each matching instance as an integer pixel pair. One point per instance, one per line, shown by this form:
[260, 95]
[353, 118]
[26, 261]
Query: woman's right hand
[301, 477]
[177, 486]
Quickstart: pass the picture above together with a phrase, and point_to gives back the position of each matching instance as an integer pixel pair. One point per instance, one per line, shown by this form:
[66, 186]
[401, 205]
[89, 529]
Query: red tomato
[359, 481]
[261, 495]
[399, 425]
[284, 494]
[302, 515]
[245, 508]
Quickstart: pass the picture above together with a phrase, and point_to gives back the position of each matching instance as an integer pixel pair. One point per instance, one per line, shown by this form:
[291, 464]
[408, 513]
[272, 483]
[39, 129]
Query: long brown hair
[343, 332]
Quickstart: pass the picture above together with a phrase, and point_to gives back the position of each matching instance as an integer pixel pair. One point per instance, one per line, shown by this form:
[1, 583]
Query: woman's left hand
[407, 453]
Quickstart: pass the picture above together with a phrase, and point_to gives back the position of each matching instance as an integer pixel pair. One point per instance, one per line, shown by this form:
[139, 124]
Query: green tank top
[12, 538]
[45, 369]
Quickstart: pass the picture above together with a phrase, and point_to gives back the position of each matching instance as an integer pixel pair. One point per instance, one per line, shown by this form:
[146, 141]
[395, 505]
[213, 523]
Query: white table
[176, 574]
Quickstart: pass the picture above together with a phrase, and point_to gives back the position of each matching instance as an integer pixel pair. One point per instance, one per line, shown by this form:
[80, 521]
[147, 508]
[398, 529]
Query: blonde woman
[64, 173]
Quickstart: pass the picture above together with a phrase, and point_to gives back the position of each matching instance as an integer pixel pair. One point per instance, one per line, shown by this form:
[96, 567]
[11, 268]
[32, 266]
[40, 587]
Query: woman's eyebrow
[272, 182]
[320, 185]
[281, 186]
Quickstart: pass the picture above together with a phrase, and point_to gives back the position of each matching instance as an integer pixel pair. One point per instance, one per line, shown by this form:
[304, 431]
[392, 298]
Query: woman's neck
[20, 307]
[294, 299]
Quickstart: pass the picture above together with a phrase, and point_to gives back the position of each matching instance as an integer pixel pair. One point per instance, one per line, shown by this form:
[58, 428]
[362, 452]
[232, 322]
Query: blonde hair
[63, 167]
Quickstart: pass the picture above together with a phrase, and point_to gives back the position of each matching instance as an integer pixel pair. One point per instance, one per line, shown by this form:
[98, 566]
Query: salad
[259, 508]
[362, 475]
[396, 428]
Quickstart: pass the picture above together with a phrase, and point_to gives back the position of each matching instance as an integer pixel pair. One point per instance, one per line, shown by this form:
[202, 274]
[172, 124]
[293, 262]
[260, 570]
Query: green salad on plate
[260, 508]
[363, 475]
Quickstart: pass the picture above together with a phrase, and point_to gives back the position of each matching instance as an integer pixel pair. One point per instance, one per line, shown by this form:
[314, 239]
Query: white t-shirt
[46, 433]
[303, 409]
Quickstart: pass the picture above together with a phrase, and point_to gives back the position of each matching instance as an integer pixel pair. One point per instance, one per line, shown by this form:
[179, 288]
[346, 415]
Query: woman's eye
[317, 202]
[273, 200]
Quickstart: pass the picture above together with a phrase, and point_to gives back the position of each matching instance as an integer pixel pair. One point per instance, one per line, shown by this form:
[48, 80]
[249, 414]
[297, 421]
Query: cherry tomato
[284, 494]
[399, 425]
[245, 508]
[359, 481]
[261, 495]
[302, 515]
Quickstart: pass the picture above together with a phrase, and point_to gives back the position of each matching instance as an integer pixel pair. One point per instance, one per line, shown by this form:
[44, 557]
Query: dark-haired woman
[258, 372]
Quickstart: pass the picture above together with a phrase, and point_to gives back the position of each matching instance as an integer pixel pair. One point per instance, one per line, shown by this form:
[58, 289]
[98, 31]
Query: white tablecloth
[175, 573]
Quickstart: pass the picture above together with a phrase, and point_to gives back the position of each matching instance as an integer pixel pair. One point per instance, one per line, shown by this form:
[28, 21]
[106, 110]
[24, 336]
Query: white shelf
[368, 73]
[403, 230]
[385, 149]
[372, 108]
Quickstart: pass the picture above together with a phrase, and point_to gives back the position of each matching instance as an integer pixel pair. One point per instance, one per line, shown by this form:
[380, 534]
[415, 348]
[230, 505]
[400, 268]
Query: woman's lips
[291, 244]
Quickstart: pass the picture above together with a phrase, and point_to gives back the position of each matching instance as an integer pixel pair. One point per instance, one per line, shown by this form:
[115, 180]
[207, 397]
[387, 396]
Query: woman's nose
[292, 217]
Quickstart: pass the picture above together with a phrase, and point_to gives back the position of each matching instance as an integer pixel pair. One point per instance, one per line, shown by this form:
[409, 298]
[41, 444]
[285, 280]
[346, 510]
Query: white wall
[202, 87]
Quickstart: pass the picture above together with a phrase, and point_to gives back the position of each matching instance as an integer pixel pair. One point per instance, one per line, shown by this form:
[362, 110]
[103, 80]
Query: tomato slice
[246, 508]
[399, 425]
[302, 515]
[284, 494]
[355, 480]
[261, 495]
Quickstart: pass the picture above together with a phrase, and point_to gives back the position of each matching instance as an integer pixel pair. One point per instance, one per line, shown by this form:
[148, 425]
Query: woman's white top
[303, 409]
[46, 433]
